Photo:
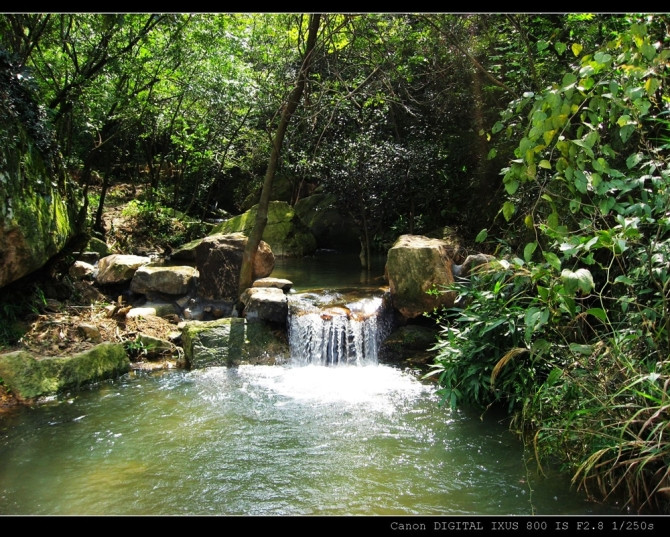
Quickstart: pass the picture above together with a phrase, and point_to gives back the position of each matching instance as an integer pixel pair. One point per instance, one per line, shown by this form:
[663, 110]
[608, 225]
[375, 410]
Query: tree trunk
[246, 273]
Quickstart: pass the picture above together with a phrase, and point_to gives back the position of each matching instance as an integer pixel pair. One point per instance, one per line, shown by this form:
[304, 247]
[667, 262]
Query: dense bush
[573, 332]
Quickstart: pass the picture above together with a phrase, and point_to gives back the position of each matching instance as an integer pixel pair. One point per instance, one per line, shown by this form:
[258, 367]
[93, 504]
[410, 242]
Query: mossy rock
[231, 341]
[27, 377]
[99, 246]
[38, 203]
[330, 227]
[286, 234]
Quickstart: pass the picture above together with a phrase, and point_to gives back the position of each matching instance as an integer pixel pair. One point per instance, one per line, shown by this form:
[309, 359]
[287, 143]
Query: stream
[356, 438]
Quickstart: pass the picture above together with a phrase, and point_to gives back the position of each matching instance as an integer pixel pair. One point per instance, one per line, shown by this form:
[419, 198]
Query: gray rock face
[416, 265]
[164, 279]
[218, 259]
[265, 304]
[118, 268]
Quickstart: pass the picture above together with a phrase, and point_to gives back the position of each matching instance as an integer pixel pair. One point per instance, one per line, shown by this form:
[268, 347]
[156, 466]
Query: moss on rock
[229, 342]
[286, 234]
[27, 377]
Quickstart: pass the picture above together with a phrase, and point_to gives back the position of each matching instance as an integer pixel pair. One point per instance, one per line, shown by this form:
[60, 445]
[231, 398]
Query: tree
[246, 273]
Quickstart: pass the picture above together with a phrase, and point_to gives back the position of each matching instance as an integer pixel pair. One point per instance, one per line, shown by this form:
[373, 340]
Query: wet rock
[155, 348]
[411, 344]
[231, 341]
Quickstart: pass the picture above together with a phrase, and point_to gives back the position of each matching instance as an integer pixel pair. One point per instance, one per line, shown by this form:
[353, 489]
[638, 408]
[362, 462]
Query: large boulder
[28, 377]
[119, 268]
[231, 341]
[330, 227]
[218, 259]
[38, 203]
[286, 234]
[168, 280]
[415, 266]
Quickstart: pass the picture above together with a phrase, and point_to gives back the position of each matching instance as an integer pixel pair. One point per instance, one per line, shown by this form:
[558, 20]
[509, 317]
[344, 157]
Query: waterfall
[337, 329]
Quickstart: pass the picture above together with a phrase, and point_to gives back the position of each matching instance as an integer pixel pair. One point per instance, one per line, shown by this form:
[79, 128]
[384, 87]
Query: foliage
[577, 337]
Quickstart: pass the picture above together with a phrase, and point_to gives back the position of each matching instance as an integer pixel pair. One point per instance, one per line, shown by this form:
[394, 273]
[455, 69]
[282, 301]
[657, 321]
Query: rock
[219, 261]
[286, 234]
[118, 268]
[38, 203]
[154, 347]
[81, 270]
[409, 343]
[169, 280]
[98, 246]
[158, 309]
[231, 341]
[28, 377]
[330, 227]
[52, 305]
[470, 263]
[414, 266]
[265, 304]
[91, 332]
[278, 283]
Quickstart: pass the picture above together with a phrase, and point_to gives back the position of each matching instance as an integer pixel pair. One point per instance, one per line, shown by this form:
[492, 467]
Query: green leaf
[581, 349]
[508, 210]
[568, 81]
[581, 279]
[481, 236]
[545, 164]
[511, 187]
[606, 205]
[648, 51]
[528, 251]
[633, 160]
[626, 132]
[598, 313]
[576, 49]
[580, 181]
[552, 259]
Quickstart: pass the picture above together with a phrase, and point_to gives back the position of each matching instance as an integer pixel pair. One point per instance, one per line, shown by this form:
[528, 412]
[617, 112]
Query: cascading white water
[335, 329]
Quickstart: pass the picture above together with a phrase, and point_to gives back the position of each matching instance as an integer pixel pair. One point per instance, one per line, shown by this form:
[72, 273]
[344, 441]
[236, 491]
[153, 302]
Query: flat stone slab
[169, 280]
[278, 283]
